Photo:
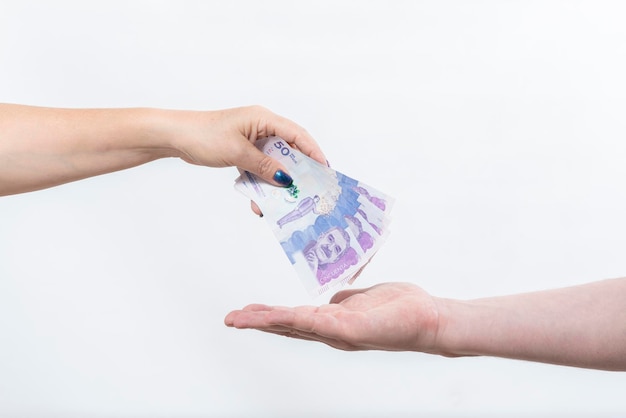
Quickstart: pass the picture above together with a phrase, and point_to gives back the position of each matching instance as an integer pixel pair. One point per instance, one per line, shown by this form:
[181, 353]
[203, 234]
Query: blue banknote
[328, 224]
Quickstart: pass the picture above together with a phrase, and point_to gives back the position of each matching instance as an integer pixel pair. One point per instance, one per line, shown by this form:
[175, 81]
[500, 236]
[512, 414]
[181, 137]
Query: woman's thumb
[265, 167]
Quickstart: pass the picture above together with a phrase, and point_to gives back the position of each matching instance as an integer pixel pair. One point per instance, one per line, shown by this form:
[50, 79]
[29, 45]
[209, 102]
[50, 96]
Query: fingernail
[283, 178]
[327, 163]
[261, 215]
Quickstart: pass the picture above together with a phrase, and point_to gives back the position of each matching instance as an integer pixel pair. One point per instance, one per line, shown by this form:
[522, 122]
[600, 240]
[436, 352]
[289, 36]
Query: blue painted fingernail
[283, 178]
[327, 163]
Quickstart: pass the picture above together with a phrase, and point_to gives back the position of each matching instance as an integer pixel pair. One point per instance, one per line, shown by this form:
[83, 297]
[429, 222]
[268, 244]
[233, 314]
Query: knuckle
[265, 166]
[259, 109]
[256, 111]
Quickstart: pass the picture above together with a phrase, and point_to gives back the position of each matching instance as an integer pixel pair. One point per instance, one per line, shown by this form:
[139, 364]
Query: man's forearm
[43, 147]
[582, 326]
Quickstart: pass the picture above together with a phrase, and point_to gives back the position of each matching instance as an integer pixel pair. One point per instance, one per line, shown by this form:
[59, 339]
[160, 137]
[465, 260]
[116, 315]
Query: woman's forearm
[582, 326]
[43, 147]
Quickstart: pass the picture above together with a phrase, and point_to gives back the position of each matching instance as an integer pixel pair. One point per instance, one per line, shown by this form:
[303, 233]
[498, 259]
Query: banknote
[328, 224]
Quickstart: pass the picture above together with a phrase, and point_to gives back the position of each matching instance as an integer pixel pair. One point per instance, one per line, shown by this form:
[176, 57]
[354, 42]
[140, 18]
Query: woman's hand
[226, 138]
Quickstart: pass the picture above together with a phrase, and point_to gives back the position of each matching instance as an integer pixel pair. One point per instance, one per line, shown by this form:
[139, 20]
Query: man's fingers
[291, 333]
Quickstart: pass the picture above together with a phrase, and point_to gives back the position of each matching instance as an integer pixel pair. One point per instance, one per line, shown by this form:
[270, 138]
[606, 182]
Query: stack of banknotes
[328, 224]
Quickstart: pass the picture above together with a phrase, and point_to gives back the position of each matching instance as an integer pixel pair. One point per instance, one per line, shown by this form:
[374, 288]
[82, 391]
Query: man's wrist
[454, 331]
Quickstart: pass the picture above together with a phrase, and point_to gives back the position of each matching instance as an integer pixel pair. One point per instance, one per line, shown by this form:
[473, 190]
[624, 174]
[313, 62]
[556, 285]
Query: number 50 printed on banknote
[328, 224]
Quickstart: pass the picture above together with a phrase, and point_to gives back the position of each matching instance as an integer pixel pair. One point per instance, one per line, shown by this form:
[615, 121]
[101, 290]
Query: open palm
[390, 316]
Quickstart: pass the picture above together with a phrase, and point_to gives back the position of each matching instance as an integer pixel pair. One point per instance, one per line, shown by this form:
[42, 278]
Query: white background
[498, 126]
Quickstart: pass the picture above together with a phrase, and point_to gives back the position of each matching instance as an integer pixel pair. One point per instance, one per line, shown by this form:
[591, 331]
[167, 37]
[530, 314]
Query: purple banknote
[328, 224]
